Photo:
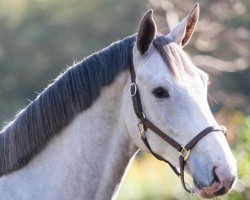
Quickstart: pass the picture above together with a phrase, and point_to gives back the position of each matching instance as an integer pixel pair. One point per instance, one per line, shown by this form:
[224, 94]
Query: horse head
[173, 96]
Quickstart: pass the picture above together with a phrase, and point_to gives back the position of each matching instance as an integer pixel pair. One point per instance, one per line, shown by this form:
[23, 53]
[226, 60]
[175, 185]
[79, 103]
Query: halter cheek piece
[144, 124]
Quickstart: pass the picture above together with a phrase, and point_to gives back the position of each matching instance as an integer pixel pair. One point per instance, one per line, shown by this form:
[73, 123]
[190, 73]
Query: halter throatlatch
[144, 124]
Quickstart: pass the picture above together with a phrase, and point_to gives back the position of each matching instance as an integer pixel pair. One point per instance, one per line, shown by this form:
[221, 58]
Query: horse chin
[203, 193]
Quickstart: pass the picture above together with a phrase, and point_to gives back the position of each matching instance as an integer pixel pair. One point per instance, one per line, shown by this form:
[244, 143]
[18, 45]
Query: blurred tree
[38, 39]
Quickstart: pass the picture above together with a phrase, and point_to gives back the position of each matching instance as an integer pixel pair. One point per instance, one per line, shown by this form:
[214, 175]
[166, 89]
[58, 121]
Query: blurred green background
[40, 38]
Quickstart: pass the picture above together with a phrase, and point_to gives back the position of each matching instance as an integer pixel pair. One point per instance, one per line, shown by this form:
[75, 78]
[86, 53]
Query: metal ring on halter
[224, 130]
[190, 187]
[132, 93]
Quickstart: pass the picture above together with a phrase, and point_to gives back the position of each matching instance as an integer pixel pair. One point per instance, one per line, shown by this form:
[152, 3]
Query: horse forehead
[152, 67]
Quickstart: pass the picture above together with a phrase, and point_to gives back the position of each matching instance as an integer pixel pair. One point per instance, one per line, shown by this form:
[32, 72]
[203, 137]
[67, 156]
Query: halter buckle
[141, 126]
[184, 153]
[141, 129]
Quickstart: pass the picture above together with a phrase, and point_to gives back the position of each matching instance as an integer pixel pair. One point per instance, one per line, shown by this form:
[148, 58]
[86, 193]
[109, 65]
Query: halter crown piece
[144, 124]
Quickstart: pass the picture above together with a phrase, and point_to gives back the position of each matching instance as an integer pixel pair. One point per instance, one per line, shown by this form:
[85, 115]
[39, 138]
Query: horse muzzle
[220, 184]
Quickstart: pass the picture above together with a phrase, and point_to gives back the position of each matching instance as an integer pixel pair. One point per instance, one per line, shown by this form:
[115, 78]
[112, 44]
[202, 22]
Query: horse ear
[182, 33]
[146, 33]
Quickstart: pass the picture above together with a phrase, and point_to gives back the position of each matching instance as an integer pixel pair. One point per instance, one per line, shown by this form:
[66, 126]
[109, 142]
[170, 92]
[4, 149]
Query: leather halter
[144, 124]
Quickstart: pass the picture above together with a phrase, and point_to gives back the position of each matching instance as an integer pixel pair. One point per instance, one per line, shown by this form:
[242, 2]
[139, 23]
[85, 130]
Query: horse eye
[161, 93]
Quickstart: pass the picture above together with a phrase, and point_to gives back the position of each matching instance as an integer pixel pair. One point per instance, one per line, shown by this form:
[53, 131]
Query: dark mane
[73, 91]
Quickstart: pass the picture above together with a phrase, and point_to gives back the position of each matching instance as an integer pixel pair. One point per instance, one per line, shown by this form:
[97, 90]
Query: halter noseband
[144, 124]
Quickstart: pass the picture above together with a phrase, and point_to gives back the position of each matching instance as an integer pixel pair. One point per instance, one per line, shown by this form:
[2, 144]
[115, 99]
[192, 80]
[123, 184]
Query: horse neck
[87, 159]
[112, 148]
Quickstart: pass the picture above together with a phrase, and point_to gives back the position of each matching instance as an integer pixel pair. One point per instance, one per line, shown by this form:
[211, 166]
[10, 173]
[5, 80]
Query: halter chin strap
[144, 124]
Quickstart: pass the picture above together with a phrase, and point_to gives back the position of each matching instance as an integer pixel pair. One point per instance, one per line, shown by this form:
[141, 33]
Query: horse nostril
[215, 177]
